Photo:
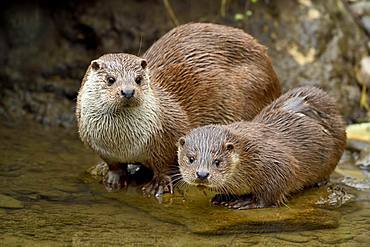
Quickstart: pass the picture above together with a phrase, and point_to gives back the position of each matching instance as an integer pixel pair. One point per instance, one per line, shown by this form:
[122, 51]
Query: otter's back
[307, 121]
[218, 74]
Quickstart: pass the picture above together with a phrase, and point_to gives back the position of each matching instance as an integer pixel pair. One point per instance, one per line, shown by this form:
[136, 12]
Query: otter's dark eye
[191, 159]
[217, 163]
[138, 79]
[111, 80]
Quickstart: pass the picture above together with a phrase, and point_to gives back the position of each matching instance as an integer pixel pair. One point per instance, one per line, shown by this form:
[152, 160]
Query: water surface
[48, 199]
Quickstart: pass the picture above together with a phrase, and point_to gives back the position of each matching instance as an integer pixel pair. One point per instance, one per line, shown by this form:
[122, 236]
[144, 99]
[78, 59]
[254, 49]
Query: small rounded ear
[143, 63]
[229, 146]
[95, 65]
[182, 141]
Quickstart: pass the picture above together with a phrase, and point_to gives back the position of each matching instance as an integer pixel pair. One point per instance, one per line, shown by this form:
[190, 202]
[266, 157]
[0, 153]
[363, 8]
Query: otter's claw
[158, 186]
[114, 181]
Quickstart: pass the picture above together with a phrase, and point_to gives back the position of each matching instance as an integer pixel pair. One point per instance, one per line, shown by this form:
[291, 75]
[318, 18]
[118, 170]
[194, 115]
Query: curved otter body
[294, 143]
[132, 109]
[218, 74]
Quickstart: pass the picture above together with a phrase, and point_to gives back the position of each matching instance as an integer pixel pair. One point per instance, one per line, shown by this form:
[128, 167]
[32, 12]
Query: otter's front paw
[115, 180]
[158, 186]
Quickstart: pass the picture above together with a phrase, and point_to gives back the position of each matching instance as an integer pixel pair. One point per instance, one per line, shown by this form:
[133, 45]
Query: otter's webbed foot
[158, 186]
[239, 202]
[115, 180]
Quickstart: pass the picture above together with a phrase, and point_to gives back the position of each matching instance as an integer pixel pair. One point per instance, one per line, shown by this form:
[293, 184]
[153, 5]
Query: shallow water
[48, 199]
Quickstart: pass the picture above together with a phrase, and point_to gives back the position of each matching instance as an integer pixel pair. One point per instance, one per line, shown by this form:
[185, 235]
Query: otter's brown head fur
[117, 81]
[208, 157]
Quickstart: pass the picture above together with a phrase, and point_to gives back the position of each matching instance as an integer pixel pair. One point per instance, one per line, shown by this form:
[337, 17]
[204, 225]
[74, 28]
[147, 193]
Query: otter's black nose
[128, 93]
[202, 174]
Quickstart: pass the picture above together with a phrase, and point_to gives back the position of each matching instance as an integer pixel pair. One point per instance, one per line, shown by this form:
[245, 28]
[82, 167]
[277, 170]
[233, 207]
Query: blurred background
[46, 46]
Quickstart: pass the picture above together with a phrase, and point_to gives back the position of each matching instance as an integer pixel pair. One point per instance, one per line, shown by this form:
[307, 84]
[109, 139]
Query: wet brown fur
[197, 74]
[294, 143]
[218, 74]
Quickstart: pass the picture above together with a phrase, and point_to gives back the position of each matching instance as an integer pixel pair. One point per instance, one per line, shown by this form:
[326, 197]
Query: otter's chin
[202, 186]
[130, 103]
[202, 183]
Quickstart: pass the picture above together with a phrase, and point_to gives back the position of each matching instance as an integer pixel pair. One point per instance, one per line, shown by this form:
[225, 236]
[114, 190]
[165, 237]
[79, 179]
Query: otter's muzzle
[128, 93]
[202, 175]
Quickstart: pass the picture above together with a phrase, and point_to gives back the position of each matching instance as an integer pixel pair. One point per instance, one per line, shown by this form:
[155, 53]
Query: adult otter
[132, 109]
[293, 143]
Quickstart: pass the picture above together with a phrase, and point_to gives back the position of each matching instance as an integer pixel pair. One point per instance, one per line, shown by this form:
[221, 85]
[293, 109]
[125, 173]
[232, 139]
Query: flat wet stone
[199, 216]
[274, 220]
[335, 238]
[294, 238]
[67, 187]
[359, 132]
[26, 241]
[10, 202]
[362, 238]
[54, 195]
[193, 210]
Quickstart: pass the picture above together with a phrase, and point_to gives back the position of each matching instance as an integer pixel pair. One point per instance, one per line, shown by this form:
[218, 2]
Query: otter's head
[117, 81]
[208, 156]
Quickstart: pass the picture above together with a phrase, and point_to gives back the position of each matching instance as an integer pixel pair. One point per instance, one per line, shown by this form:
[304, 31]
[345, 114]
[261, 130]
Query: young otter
[133, 110]
[293, 143]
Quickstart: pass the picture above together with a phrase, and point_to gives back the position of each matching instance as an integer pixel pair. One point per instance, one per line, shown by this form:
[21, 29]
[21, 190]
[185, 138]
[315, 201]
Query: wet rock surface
[10, 202]
[361, 11]
[47, 46]
[44, 170]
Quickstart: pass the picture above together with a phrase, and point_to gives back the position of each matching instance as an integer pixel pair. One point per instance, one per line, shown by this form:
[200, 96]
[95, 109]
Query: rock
[338, 238]
[365, 21]
[363, 74]
[98, 171]
[363, 238]
[266, 220]
[188, 210]
[360, 132]
[357, 146]
[336, 197]
[10, 202]
[54, 195]
[46, 52]
[294, 238]
[360, 8]
[364, 159]
[307, 55]
[363, 184]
